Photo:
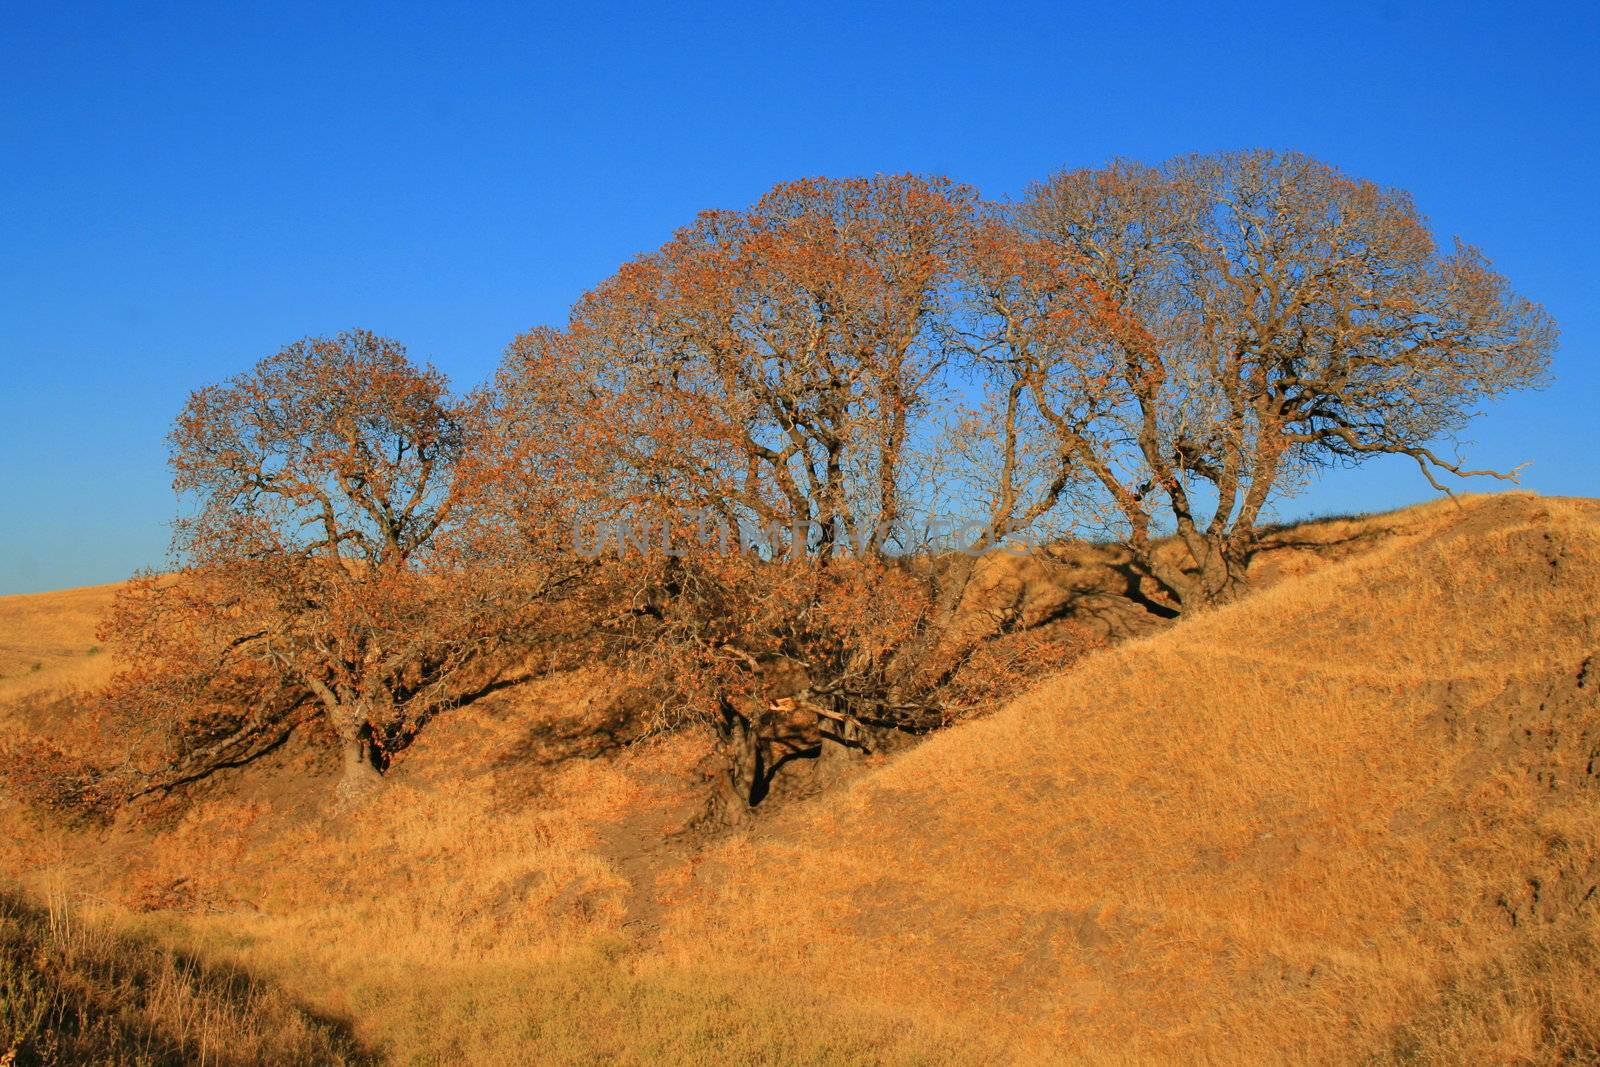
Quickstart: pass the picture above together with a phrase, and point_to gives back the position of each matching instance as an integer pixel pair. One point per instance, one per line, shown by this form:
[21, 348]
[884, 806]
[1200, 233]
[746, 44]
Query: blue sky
[184, 189]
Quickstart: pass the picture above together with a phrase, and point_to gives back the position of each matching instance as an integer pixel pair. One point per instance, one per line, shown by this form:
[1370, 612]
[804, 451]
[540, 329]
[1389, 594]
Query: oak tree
[760, 390]
[327, 575]
[1194, 337]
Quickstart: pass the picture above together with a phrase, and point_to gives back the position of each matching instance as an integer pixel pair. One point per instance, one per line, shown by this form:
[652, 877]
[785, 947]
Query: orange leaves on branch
[842, 368]
[340, 564]
[1238, 320]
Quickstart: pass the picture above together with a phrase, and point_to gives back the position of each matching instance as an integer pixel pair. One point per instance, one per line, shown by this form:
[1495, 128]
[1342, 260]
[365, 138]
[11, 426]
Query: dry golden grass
[47, 642]
[1351, 817]
[73, 991]
[476, 909]
[1282, 831]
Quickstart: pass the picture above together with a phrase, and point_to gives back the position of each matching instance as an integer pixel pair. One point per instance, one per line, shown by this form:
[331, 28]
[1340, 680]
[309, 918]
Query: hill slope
[1357, 812]
[47, 640]
[1354, 815]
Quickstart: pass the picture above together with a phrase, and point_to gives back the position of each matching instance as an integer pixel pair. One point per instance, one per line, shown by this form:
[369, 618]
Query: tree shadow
[553, 739]
[99, 997]
[1271, 539]
[778, 749]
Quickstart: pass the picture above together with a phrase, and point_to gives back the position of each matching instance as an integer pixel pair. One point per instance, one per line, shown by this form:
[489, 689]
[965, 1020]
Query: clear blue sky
[183, 189]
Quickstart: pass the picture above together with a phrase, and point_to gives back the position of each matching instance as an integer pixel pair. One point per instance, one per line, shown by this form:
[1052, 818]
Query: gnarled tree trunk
[360, 769]
[740, 787]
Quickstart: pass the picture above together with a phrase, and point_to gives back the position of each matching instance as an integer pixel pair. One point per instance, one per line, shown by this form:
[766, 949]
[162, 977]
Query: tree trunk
[740, 787]
[1221, 577]
[355, 740]
[1217, 579]
[952, 590]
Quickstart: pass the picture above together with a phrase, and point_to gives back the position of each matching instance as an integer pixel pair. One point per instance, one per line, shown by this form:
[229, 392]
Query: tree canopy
[1129, 350]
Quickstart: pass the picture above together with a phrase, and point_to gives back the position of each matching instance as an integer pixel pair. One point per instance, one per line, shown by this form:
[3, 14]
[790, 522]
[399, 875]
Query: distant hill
[47, 640]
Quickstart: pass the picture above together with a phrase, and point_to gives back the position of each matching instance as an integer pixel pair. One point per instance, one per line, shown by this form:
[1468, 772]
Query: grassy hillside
[1353, 816]
[1355, 813]
[47, 641]
[72, 992]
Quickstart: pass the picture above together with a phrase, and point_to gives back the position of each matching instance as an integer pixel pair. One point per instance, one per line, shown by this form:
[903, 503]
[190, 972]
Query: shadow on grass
[73, 992]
